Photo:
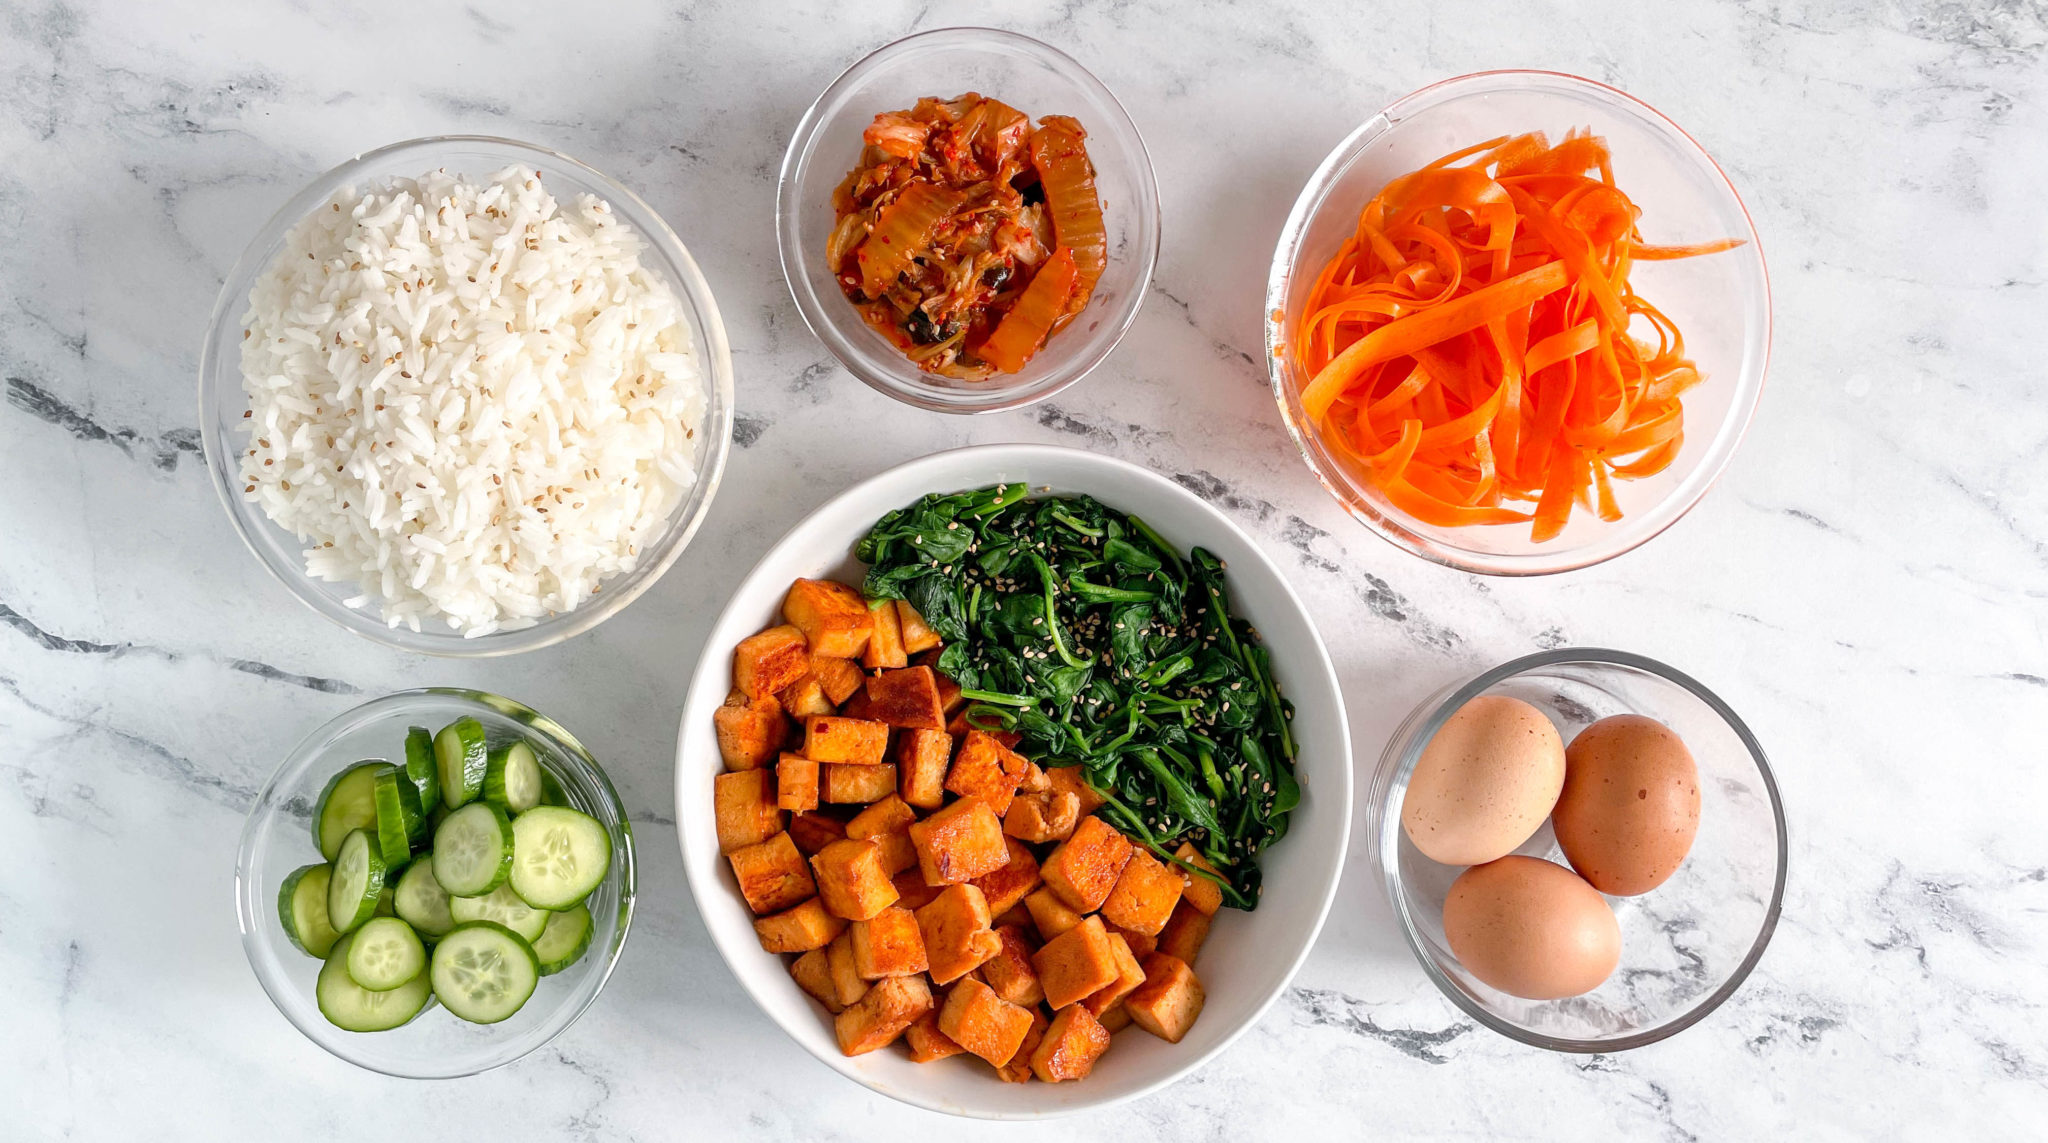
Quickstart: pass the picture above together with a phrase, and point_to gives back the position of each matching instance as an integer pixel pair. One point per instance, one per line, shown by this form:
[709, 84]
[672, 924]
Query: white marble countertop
[1867, 584]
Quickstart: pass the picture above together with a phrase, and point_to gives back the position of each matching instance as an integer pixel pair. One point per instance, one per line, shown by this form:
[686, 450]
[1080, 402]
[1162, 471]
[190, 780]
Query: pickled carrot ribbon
[1470, 346]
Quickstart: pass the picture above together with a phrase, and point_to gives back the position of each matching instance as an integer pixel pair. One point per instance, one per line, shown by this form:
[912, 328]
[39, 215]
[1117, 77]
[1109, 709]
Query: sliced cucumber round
[387, 901]
[302, 907]
[563, 942]
[512, 778]
[483, 971]
[351, 1007]
[503, 906]
[473, 850]
[421, 902]
[460, 753]
[558, 856]
[384, 954]
[348, 803]
[355, 884]
[399, 821]
[421, 768]
[551, 793]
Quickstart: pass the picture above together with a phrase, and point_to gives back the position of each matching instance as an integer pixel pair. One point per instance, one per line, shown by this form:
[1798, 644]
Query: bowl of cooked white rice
[466, 396]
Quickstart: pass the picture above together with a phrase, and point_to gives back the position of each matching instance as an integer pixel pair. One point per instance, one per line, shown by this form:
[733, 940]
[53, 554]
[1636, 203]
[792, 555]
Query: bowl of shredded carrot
[1518, 322]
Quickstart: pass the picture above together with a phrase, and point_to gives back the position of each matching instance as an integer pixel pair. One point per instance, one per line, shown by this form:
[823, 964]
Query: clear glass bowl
[1722, 302]
[1687, 945]
[277, 838]
[222, 401]
[1034, 78]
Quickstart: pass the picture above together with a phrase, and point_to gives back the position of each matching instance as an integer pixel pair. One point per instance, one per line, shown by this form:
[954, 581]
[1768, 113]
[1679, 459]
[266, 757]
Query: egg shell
[1484, 783]
[1630, 807]
[1531, 928]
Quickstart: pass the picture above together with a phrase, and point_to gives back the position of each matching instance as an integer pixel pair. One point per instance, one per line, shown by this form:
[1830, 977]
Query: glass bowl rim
[696, 295]
[1396, 529]
[251, 898]
[813, 309]
[1439, 706]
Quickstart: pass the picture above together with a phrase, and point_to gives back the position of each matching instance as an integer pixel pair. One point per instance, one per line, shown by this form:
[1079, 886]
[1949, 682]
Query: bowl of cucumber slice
[435, 883]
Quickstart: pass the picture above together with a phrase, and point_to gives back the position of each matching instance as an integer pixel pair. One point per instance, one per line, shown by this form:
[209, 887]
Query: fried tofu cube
[766, 663]
[1197, 890]
[841, 678]
[978, 1020]
[1074, 781]
[1017, 915]
[833, 617]
[886, 823]
[1072, 1043]
[1049, 914]
[926, 1042]
[957, 936]
[849, 741]
[851, 879]
[918, 635]
[912, 890]
[951, 701]
[959, 843]
[1086, 866]
[772, 874]
[813, 973]
[1018, 1070]
[1009, 885]
[888, 944]
[885, 638]
[813, 831]
[796, 783]
[1129, 975]
[1167, 1004]
[921, 760]
[1140, 943]
[1010, 972]
[1116, 1019]
[1185, 931]
[805, 697]
[744, 805]
[751, 732]
[1076, 964]
[908, 698]
[881, 1015]
[847, 785]
[1144, 895]
[800, 929]
[847, 982]
[986, 769]
[857, 704]
[1042, 817]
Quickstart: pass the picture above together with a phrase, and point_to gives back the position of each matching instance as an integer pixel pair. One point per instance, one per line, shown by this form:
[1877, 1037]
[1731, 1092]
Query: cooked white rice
[468, 399]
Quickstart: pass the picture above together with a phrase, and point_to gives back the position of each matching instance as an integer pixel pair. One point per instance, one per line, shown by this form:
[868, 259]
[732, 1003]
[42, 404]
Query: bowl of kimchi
[968, 220]
[1518, 322]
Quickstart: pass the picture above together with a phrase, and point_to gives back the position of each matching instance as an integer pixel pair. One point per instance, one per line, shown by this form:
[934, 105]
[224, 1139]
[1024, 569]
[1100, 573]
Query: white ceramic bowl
[1249, 957]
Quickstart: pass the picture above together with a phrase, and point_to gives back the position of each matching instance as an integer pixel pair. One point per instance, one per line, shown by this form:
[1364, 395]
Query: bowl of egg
[1585, 848]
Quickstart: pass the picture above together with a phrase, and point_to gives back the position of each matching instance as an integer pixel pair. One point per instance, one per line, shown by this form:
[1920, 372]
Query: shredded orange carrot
[1470, 344]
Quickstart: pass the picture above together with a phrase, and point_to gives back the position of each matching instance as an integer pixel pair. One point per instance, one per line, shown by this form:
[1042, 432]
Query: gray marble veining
[1868, 583]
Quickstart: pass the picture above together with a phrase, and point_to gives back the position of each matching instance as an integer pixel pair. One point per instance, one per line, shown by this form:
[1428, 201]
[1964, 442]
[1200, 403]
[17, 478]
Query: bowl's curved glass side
[222, 400]
[1686, 945]
[1030, 75]
[1721, 301]
[276, 840]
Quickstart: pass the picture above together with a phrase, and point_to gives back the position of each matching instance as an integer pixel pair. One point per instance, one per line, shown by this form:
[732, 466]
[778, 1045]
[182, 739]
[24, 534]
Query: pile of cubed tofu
[930, 883]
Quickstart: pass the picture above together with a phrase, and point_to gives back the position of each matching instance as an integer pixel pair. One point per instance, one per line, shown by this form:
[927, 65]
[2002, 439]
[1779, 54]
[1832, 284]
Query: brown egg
[1484, 783]
[1531, 928]
[1630, 806]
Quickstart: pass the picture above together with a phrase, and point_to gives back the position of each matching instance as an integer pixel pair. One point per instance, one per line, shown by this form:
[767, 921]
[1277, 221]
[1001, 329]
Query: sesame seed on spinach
[1081, 629]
